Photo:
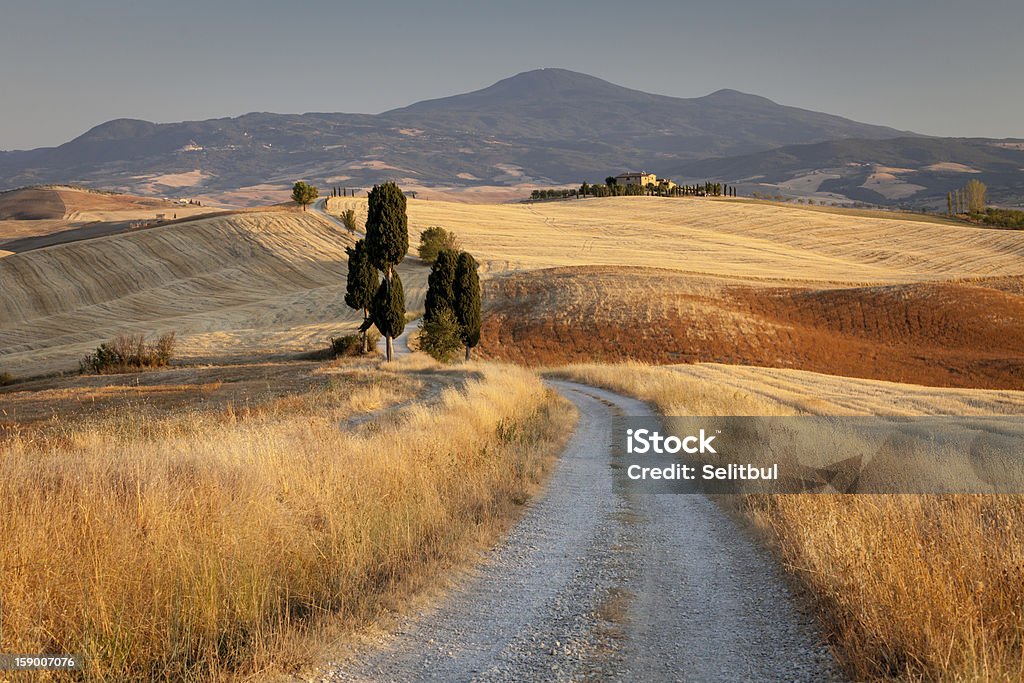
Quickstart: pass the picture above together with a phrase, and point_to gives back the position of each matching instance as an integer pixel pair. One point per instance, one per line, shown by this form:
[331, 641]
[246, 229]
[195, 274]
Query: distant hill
[913, 171]
[543, 126]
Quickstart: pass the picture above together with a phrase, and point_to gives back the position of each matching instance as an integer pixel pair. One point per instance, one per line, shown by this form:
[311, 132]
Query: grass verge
[916, 587]
[206, 546]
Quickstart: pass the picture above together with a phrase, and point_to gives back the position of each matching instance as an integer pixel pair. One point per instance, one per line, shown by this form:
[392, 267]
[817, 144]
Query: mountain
[915, 171]
[543, 126]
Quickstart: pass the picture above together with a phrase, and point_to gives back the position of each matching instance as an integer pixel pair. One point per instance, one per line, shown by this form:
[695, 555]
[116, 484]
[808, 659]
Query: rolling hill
[35, 217]
[248, 284]
[642, 278]
[543, 126]
[913, 171]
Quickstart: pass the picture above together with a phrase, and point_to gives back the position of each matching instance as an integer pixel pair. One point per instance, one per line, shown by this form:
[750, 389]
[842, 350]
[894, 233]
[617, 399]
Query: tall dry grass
[913, 587]
[198, 547]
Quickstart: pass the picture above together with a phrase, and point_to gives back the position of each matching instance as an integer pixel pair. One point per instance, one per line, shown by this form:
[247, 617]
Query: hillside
[237, 286]
[542, 126]
[34, 217]
[914, 171]
[662, 280]
[670, 281]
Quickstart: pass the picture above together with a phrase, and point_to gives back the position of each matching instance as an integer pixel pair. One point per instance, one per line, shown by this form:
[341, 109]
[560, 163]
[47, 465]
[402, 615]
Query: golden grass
[205, 545]
[241, 285]
[733, 240]
[915, 587]
[273, 282]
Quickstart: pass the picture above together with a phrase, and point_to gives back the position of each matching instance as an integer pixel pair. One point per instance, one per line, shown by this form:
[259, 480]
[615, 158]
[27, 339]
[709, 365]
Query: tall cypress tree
[441, 284]
[387, 242]
[467, 300]
[361, 283]
[387, 311]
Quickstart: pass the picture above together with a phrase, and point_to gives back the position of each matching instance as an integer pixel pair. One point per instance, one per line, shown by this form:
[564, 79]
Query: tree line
[972, 198]
[612, 188]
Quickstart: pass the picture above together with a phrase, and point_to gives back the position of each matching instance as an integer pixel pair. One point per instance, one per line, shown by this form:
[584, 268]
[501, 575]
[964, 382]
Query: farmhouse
[643, 178]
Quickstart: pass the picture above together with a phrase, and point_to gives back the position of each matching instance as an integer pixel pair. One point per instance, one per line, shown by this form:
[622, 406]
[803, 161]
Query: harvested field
[938, 334]
[232, 287]
[746, 283]
[730, 239]
[36, 217]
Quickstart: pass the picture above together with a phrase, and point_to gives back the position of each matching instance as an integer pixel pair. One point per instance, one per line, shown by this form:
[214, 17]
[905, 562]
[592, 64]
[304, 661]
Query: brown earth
[944, 334]
[55, 202]
[37, 217]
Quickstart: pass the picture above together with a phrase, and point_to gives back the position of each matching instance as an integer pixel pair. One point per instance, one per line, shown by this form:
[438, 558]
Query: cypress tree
[467, 300]
[387, 311]
[387, 241]
[361, 283]
[441, 285]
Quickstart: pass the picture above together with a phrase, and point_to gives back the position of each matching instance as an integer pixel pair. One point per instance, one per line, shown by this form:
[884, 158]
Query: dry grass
[235, 286]
[732, 240]
[914, 587]
[204, 544]
[273, 282]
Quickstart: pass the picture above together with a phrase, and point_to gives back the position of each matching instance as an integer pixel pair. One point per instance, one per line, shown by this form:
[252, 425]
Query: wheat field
[238, 285]
[261, 283]
[723, 239]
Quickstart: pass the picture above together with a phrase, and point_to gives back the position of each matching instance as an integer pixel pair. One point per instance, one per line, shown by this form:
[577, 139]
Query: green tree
[467, 300]
[348, 218]
[304, 194]
[361, 284]
[441, 284]
[975, 196]
[441, 335]
[387, 311]
[949, 203]
[387, 242]
[435, 239]
[610, 181]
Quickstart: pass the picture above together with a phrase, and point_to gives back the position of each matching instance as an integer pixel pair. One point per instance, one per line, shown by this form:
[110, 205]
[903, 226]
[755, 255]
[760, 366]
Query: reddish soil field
[968, 335]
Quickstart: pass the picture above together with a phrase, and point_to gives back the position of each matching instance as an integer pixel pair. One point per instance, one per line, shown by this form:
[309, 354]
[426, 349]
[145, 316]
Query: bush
[6, 378]
[441, 335]
[348, 217]
[433, 240]
[352, 344]
[1000, 218]
[127, 353]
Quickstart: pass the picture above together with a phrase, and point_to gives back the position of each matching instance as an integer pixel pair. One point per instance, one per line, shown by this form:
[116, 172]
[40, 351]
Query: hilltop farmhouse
[643, 179]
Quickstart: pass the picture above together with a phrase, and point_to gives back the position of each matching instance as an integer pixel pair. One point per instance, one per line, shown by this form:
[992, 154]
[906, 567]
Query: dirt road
[592, 584]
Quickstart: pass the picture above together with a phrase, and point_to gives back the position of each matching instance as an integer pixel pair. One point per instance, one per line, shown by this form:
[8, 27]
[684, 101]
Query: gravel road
[593, 584]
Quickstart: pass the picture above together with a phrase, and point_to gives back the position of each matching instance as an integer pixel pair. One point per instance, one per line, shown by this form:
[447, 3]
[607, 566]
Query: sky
[931, 66]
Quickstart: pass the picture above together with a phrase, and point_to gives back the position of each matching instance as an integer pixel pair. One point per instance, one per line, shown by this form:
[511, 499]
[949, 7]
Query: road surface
[594, 584]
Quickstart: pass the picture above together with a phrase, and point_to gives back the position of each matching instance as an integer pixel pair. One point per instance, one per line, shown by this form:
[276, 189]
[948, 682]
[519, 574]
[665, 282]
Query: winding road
[593, 583]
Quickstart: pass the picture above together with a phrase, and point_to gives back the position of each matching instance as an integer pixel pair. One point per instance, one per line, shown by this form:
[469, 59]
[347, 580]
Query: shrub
[348, 217]
[441, 335]
[433, 240]
[6, 378]
[352, 344]
[1001, 218]
[127, 353]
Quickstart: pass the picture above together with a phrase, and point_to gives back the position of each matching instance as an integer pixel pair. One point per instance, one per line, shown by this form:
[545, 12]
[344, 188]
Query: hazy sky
[933, 66]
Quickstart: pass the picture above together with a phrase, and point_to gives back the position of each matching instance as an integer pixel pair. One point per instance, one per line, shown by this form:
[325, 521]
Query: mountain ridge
[541, 127]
